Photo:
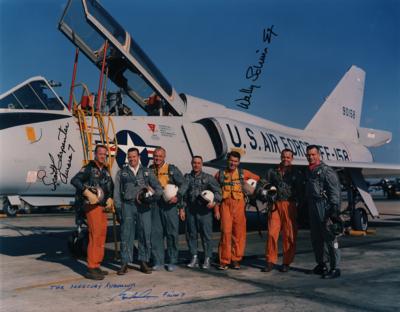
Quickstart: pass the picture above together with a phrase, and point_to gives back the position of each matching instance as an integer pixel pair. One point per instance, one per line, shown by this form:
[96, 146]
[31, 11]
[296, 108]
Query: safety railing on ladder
[95, 127]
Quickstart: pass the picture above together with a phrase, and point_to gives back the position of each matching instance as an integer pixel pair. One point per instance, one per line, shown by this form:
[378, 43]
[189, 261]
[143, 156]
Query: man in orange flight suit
[95, 174]
[288, 181]
[231, 212]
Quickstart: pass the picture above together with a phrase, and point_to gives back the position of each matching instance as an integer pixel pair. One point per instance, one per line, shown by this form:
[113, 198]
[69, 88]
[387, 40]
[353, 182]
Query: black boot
[145, 268]
[100, 271]
[94, 274]
[333, 273]
[285, 268]
[268, 268]
[320, 269]
[123, 269]
[235, 265]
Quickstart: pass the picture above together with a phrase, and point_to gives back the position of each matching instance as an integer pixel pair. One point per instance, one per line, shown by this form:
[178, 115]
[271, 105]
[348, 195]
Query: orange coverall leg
[233, 231]
[283, 219]
[97, 224]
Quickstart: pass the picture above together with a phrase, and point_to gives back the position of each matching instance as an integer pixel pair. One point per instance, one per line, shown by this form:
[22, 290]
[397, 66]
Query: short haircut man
[99, 146]
[234, 154]
[287, 150]
[160, 148]
[197, 156]
[133, 149]
[312, 146]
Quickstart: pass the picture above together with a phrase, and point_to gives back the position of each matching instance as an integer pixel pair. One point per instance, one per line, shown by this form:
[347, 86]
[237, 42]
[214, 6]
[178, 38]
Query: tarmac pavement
[38, 274]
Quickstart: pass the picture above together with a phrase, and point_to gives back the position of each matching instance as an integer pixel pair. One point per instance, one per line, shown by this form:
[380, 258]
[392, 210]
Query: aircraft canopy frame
[88, 25]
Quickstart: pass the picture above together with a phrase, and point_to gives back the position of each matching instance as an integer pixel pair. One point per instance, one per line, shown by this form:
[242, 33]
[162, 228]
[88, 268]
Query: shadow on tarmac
[51, 243]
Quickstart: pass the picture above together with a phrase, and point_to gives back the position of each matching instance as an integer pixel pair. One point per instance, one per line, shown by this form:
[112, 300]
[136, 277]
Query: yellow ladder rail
[99, 125]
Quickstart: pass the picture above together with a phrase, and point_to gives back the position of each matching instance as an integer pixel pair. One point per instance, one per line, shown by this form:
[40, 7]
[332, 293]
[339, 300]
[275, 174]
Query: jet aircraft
[51, 140]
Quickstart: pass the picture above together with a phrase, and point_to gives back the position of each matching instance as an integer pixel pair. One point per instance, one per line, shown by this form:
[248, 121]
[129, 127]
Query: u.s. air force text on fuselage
[259, 140]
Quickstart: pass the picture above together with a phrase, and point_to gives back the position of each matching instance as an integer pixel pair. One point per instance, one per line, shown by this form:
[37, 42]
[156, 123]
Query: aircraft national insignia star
[127, 139]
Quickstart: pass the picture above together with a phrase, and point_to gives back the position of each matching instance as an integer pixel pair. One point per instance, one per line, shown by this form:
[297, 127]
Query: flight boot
[206, 263]
[333, 273]
[100, 271]
[145, 268]
[284, 268]
[194, 263]
[94, 275]
[320, 269]
[123, 269]
[235, 265]
[268, 268]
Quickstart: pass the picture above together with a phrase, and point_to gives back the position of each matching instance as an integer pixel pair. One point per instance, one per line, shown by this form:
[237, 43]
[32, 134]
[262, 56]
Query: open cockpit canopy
[88, 25]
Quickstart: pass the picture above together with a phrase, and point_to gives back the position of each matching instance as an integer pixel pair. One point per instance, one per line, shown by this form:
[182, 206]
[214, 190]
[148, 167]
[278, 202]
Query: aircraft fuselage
[42, 157]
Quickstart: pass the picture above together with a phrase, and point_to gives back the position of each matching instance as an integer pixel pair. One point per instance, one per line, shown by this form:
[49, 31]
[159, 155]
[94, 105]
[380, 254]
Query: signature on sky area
[254, 72]
[60, 164]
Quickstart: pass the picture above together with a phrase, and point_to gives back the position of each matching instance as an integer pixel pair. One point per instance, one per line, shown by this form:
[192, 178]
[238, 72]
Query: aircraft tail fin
[339, 116]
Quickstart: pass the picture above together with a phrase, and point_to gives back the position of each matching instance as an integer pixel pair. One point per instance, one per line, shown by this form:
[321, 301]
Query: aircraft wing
[371, 170]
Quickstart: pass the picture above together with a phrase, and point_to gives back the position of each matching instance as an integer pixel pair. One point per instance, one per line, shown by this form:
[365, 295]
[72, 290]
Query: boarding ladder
[95, 127]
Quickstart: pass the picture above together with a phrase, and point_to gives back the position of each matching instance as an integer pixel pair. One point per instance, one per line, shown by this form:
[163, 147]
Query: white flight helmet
[98, 191]
[150, 192]
[207, 197]
[170, 191]
[249, 187]
[272, 190]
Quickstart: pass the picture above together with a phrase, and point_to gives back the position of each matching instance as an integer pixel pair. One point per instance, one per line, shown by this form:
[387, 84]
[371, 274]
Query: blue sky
[205, 47]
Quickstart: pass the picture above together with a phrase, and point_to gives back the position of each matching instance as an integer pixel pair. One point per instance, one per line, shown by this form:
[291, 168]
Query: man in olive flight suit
[165, 218]
[323, 200]
[136, 188]
[199, 213]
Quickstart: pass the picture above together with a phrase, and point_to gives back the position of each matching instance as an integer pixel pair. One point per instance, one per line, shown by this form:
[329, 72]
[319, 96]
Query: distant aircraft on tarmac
[44, 142]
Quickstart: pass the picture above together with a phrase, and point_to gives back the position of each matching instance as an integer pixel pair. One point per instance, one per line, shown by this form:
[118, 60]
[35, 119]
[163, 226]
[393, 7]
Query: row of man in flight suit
[138, 201]
[141, 201]
[141, 208]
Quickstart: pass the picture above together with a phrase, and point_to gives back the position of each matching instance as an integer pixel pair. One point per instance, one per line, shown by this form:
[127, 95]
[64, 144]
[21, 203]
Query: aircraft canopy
[87, 24]
[34, 93]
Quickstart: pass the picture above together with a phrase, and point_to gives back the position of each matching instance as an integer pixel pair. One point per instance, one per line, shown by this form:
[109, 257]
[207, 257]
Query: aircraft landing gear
[9, 210]
[359, 219]
[358, 215]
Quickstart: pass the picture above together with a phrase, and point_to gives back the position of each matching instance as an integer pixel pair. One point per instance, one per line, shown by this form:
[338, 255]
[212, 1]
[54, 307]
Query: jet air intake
[205, 138]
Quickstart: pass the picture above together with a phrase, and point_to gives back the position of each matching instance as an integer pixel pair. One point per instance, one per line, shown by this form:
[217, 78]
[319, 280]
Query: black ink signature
[57, 172]
[245, 101]
[173, 294]
[254, 72]
[129, 295]
[267, 34]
